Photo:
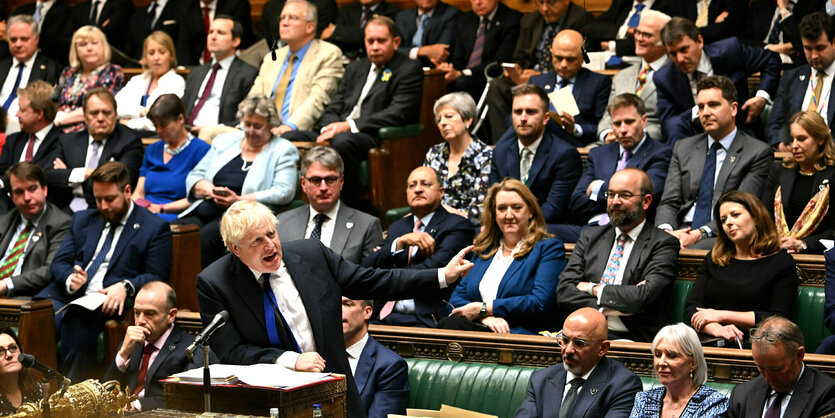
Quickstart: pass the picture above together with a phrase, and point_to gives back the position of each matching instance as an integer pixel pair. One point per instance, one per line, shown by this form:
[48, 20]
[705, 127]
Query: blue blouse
[705, 403]
[165, 183]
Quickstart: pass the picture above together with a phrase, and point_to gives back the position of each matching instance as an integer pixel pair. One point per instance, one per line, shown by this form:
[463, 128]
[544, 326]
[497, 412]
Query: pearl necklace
[179, 149]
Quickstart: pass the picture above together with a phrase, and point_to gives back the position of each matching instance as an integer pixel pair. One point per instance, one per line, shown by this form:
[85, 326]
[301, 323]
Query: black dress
[6, 407]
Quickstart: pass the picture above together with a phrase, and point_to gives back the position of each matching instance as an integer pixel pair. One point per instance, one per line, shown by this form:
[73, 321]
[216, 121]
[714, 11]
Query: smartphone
[220, 192]
[508, 65]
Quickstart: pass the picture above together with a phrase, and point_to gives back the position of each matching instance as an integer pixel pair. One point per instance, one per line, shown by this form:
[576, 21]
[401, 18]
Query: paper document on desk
[275, 375]
[221, 374]
[563, 101]
[90, 301]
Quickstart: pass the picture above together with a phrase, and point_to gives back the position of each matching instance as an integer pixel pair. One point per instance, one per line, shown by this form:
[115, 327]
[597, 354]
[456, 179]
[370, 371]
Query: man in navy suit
[608, 390]
[428, 238]
[382, 376]
[632, 147]
[348, 33]
[52, 20]
[590, 90]
[549, 166]
[797, 87]
[154, 347]
[827, 346]
[724, 19]
[676, 84]
[109, 253]
[433, 41]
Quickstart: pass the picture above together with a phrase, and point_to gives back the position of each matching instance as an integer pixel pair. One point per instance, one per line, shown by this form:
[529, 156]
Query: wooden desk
[242, 399]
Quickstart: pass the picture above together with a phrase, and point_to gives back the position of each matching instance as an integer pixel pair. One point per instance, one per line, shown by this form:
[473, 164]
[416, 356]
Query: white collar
[355, 350]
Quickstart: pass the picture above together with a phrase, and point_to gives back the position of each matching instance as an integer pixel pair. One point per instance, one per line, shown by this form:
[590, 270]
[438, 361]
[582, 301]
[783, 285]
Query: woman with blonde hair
[89, 67]
[746, 277]
[512, 286]
[797, 191]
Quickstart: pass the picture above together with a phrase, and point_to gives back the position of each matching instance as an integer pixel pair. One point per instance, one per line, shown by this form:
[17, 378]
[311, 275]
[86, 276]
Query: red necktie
[143, 368]
[30, 149]
[207, 56]
[206, 91]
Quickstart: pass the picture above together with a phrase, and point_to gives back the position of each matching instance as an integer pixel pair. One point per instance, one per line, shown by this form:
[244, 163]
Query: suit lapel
[46, 145]
[802, 394]
[164, 352]
[129, 231]
[512, 159]
[697, 165]
[598, 255]
[543, 151]
[588, 393]
[4, 72]
[610, 163]
[341, 232]
[515, 265]
[636, 255]
[37, 235]
[248, 290]
[227, 84]
[365, 364]
[579, 86]
[95, 229]
[301, 273]
[6, 222]
[731, 156]
[800, 85]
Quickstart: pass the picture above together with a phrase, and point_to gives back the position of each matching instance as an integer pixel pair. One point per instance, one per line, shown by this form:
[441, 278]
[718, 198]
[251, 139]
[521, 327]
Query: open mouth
[271, 257]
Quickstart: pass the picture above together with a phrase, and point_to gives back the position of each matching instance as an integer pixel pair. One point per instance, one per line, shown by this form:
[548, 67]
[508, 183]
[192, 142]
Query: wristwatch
[482, 313]
[705, 232]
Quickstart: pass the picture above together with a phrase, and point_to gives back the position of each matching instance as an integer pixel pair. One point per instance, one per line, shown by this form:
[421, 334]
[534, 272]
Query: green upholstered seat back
[681, 291]
[808, 314]
[487, 388]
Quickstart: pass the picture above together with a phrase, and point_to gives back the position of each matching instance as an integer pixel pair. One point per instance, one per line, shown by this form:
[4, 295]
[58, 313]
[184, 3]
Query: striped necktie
[642, 79]
[10, 263]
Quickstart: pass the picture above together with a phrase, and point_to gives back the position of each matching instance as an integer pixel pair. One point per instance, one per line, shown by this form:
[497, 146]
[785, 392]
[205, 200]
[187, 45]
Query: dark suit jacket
[554, 172]
[43, 244]
[728, 57]
[609, 391]
[499, 41]
[192, 38]
[788, 101]
[590, 91]
[53, 39]
[16, 144]
[348, 35]
[784, 179]
[530, 32]
[238, 82]
[761, 15]
[653, 157]
[653, 259]
[123, 145]
[440, 28]
[170, 21]
[321, 277]
[829, 303]
[114, 20]
[714, 31]
[44, 68]
[814, 396]
[394, 102]
[170, 360]
[355, 233]
[606, 26]
[382, 379]
[745, 168]
[325, 11]
[142, 254]
[451, 234]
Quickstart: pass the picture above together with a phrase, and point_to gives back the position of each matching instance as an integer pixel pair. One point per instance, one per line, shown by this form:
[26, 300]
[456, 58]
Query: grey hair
[326, 156]
[655, 14]
[685, 339]
[27, 19]
[241, 217]
[790, 335]
[310, 14]
[260, 105]
[462, 102]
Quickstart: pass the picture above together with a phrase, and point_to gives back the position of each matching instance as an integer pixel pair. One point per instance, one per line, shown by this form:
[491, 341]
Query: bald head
[583, 340]
[565, 53]
[591, 321]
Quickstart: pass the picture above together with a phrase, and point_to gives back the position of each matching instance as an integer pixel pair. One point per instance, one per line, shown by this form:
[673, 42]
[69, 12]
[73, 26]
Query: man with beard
[109, 253]
[627, 267]
[598, 386]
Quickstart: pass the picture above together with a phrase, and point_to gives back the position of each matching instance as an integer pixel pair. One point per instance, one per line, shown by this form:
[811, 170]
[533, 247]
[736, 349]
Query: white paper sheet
[563, 101]
[267, 375]
[90, 301]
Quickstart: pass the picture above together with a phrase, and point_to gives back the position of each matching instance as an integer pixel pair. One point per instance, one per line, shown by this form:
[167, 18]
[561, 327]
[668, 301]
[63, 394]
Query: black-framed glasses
[329, 180]
[611, 194]
[11, 349]
[579, 343]
[769, 335]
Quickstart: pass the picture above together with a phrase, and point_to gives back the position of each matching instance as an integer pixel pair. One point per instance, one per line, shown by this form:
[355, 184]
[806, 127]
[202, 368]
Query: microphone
[218, 321]
[28, 361]
[586, 58]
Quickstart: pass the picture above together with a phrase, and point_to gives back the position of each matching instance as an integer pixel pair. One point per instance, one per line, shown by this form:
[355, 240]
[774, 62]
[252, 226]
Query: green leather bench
[487, 388]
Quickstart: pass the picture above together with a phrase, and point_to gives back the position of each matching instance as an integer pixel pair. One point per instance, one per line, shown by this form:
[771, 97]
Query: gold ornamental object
[89, 398]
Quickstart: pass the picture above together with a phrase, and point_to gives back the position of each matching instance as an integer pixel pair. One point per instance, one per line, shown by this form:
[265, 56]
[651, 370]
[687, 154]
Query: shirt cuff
[77, 175]
[764, 94]
[602, 135]
[666, 227]
[694, 112]
[121, 363]
[137, 405]
[595, 189]
[69, 289]
[353, 125]
[709, 231]
[9, 286]
[599, 292]
[611, 47]
[442, 279]
[288, 359]
[413, 53]
[578, 130]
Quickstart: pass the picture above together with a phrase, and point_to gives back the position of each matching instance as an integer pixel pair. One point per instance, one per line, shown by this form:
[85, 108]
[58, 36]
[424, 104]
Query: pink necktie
[389, 306]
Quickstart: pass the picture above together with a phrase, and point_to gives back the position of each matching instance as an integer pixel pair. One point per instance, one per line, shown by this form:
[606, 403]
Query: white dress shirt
[210, 111]
[39, 137]
[326, 234]
[772, 395]
[826, 90]
[614, 322]
[488, 288]
[122, 364]
[13, 125]
[355, 351]
[96, 283]
[571, 376]
[407, 306]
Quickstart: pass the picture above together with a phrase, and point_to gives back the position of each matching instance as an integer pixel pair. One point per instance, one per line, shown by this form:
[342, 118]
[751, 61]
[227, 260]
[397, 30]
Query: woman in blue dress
[162, 179]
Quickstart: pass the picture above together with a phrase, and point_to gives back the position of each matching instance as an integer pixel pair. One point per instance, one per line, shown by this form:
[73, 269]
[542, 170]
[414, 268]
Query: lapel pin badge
[802, 77]
[43, 67]
[432, 231]
[547, 87]
[593, 391]
[349, 225]
[733, 158]
[171, 347]
[136, 226]
[36, 237]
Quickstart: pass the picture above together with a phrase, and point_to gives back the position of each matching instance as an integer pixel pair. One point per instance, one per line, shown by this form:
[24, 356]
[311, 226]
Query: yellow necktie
[281, 90]
[701, 20]
[816, 93]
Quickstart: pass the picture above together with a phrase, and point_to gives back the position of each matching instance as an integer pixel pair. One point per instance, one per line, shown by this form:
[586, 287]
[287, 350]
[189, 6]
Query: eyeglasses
[611, 195]
[11, 349]
[579, 343]
[329, 180]
[769, 335]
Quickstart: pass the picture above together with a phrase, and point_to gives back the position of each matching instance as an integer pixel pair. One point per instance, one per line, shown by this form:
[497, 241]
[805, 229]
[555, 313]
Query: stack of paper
[266, 375]
[221, 374]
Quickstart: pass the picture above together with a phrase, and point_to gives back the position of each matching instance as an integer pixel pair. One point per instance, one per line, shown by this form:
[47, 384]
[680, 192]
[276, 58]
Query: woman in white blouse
[159, 59]
[512, 287]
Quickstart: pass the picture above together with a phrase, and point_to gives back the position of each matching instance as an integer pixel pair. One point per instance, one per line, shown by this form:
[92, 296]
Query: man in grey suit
[631, 293]
[346, 231]
[30, 234]
[706, 165]
[638, 78]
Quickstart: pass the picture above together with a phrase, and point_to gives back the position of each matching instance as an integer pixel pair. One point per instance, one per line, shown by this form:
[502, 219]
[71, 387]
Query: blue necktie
[38, 15]
[704, 203]
[105, 248]
[13, 95]
[417, 40]
[636, 17]
[271, 311]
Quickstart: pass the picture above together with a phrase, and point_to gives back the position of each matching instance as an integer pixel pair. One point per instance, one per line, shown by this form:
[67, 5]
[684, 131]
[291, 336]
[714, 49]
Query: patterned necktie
[105, 248]
[29, 155]
[525, 161]
[642, 79]
[271, 313]
[143, 368]
[544, 48]
[776, 407]
[614, 261]
[320, 218]
[417, 40]
[570, 397]
[10, 263]
[774, 34]
[203, 97]
[13, 94]
[704, 202]
[701, 19]
[207, 56]
[636, 17]
[478, 46]
[366, 13]
[814, 102]
[283, 83]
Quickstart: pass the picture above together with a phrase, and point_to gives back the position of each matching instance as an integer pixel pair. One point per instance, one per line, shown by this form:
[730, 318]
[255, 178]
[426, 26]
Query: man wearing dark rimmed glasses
[345, 230]
[785, 386]
[587, 383]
